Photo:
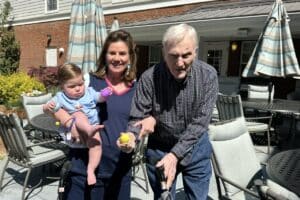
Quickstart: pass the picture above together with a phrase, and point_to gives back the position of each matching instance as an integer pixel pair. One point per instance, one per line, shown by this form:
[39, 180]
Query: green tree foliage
[9, 47]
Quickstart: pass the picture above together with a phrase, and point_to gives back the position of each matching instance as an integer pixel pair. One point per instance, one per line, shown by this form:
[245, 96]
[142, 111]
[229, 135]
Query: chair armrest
[259, 118]
[269, 118]
[235, 184]
[43, 143]
[268, 192]
[238, 186]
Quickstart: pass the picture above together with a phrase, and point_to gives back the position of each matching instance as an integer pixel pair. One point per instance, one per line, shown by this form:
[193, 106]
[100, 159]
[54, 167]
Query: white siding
[31, 11]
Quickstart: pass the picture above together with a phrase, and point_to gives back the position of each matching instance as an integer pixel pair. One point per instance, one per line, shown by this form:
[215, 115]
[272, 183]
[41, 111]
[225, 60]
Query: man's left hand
[169, 162]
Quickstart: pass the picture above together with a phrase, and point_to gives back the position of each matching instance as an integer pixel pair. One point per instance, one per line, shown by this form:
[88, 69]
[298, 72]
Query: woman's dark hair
[115, 36]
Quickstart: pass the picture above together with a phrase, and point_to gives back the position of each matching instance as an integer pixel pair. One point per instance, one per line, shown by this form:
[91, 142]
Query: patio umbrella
[274, 53]
[87, 34]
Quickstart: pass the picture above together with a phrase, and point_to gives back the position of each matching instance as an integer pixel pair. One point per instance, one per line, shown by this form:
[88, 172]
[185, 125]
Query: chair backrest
[234, 152]
[260, 92]
[14, 138]
[34, 105]
[229, 106]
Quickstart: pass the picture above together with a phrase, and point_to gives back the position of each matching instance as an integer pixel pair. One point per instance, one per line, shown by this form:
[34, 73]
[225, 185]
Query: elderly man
[179, 94]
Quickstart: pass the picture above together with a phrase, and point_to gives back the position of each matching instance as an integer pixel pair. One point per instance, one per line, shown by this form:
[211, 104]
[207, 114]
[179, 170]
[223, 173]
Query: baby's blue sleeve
[95, 95]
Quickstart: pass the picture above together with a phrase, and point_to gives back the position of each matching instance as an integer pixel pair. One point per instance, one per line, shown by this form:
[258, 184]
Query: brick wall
[33, 42]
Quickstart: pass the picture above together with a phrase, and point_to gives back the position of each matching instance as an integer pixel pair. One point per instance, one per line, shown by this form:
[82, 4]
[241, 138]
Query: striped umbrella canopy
[87, 34]
[274, 53]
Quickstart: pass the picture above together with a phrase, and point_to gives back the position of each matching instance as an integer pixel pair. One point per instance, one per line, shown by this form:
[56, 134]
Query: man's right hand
[147, 126]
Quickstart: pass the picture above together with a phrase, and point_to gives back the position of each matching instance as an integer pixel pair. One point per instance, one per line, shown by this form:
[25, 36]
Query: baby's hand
[49, 107]
[106, 92]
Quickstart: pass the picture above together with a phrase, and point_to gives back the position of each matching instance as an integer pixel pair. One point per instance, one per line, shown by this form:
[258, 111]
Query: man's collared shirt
[182, 109]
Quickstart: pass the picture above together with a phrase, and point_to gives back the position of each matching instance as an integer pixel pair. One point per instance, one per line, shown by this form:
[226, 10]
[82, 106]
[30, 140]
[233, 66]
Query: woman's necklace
[118, 88]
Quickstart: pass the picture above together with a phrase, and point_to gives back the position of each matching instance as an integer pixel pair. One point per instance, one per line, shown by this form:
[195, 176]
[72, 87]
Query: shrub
[46, 75]
[12, 86]
[9, 46]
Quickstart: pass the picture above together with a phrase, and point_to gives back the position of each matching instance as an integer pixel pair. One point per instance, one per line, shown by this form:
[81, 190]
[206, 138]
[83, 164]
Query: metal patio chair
[138, 162]
[230, 107]
[236, 166]
[261, 92]
[24, 153]
[34, 106]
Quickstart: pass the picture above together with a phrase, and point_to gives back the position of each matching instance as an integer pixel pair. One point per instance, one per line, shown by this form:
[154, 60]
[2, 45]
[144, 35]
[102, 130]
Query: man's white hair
[177, 33]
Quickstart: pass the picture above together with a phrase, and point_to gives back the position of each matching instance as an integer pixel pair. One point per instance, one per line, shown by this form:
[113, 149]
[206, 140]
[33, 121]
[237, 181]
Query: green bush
[12, 86]
[9, 46]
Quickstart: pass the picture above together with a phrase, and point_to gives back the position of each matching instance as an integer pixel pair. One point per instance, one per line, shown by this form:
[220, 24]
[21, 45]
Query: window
[51, 5]
[246, 52]
[155, 55]
[214, 58]
[216, 54]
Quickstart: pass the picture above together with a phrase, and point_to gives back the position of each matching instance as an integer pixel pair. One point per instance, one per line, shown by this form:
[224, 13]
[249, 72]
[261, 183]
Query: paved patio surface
[48, 189]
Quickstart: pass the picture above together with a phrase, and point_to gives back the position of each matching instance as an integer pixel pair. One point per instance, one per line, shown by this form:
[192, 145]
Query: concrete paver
[48, 189]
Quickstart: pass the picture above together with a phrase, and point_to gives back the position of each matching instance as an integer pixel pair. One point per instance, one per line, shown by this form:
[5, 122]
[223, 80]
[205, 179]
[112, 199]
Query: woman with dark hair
[117, 70]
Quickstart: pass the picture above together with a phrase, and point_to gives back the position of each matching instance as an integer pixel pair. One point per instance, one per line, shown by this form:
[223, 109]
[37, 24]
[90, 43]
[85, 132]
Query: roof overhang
[221, 20]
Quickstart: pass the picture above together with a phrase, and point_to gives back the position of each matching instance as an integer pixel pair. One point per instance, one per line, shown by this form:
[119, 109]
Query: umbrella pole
[270, 86]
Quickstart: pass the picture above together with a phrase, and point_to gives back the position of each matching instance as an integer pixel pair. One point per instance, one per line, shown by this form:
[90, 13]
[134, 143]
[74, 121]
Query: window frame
[153, 62]
[243, 63]
[51, 11]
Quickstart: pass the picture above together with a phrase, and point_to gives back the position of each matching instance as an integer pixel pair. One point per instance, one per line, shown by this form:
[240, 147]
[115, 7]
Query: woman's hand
[129, 146]
[147, 126]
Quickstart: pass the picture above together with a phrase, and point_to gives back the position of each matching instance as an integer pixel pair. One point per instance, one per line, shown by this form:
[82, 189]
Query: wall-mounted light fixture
[61, 51]
[234, 46]
[49, 38]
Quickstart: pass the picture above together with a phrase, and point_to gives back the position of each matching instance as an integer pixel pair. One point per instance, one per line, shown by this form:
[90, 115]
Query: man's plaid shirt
[182, 109]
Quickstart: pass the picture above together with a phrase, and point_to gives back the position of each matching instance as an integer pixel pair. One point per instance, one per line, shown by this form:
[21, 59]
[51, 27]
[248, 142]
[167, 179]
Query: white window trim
[51, 11]
[120, 1]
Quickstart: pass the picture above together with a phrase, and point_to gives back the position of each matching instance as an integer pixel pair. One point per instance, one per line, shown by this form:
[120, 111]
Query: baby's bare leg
[83, 125]
[95, 153]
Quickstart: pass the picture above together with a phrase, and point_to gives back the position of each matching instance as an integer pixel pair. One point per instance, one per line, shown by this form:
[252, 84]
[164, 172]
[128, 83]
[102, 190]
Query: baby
[80, 102]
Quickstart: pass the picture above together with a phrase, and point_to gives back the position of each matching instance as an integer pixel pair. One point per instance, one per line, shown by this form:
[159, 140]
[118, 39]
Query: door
[216, 54]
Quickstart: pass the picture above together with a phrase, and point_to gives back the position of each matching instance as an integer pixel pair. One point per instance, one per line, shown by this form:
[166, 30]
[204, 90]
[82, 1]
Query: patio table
[279, 108]
[45, 123]
[283, 106]
[284, 169]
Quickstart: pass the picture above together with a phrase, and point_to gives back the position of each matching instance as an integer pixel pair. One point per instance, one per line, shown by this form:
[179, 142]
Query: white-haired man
[179, 93]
